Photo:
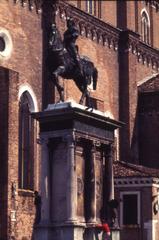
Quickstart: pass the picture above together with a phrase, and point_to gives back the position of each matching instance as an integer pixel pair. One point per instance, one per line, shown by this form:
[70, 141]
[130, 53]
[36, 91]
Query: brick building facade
[122, 40]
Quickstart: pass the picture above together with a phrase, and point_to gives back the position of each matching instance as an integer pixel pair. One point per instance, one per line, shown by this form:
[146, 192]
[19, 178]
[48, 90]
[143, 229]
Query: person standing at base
[106, 230]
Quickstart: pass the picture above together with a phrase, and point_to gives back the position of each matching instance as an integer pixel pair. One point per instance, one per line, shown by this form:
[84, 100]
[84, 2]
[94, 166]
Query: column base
[115, 234]
[41, 232]
[71, 231]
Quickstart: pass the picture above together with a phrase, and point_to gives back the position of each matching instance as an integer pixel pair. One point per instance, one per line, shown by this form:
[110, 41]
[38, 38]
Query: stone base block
[59, 233]
[115, 234]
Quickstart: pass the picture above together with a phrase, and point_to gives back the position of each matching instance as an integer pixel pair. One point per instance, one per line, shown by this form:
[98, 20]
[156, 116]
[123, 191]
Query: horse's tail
[95, 77]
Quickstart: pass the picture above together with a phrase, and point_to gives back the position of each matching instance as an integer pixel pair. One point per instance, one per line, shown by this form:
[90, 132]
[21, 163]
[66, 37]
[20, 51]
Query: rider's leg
[60, 70]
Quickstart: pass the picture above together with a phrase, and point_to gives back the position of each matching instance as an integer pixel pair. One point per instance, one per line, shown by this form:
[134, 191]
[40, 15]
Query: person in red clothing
[105, 227]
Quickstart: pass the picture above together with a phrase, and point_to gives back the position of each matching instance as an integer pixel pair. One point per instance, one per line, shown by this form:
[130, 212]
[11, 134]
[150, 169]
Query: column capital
[110, 149]
[42, 140]
[69, 138]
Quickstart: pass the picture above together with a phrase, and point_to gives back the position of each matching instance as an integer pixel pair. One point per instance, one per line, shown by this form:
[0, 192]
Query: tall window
[26, 143]
[79, 4]
[130, 208]
[94, 7]
[145, 27]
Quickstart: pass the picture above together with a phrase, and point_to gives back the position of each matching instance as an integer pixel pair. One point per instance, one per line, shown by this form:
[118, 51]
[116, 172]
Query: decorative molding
[30, 4]
[147, 55]
[136, 182]
[153, 3]
[80, 186]
[31, 96]
[90, 26]
[6, 38]
[98, 141]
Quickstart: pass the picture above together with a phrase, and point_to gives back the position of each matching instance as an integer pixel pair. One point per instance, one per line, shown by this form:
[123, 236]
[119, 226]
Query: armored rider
[70, 37]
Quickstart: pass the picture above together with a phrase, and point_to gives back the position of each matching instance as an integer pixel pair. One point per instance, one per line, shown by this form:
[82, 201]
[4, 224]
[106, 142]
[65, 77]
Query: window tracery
[145, 27]
[26, 143]
[94, 7]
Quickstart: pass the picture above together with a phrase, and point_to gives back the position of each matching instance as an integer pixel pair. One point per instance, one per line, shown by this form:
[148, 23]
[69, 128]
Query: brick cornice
[147, 55]
[90, 26]
[136, 181]
[30, 4]
[153, 3]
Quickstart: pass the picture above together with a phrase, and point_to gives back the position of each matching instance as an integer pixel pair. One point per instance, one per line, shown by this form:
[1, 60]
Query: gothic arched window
[94, 7]
[145, 27]
[26, 142]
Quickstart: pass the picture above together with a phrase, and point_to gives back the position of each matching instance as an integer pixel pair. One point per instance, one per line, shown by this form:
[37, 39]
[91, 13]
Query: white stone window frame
[31, 96]
[94, 7]
[5, 35]
[90, 6]
[138, 194]
[26, 88]
[145, 36]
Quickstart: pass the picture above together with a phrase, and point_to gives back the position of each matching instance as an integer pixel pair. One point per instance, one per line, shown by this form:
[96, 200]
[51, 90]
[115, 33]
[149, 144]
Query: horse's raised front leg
[82, 98]
[60, 89]
[86, 94]
[88, 100]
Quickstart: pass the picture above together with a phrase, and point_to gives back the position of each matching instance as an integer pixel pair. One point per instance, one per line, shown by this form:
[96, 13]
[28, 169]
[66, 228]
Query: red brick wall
[134, 11]
[3, 149]
[26, 63]
[25, 29]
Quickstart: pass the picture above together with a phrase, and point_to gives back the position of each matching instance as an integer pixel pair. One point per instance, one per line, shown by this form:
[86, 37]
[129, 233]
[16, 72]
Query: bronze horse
[61, 63]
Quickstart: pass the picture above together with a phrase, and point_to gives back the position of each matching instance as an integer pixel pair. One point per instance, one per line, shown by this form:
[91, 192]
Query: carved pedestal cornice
[90, 26]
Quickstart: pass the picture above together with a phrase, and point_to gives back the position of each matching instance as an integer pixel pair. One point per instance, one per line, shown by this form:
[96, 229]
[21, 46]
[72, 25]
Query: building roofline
[124, 182]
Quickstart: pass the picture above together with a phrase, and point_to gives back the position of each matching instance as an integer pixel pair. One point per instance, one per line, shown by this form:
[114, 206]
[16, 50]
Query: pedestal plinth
[75, 142]
[115, 234]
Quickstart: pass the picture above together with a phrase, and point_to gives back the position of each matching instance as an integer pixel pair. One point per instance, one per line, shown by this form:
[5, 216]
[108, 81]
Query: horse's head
[55, 41]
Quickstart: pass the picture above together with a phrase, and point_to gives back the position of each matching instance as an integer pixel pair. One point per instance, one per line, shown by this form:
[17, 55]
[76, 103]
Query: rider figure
[70, 37]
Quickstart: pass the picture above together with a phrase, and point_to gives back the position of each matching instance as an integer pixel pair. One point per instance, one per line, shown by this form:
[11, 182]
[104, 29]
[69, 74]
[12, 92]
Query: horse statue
[64, 61]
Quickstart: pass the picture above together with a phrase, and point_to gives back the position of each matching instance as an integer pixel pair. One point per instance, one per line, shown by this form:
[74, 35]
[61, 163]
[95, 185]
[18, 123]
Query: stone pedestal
[73, 141]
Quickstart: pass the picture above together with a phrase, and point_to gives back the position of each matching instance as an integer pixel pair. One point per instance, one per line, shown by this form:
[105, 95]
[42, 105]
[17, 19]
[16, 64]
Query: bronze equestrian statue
[64, 61]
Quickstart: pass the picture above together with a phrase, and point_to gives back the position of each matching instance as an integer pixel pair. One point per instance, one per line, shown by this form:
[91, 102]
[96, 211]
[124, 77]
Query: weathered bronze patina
[67, 62]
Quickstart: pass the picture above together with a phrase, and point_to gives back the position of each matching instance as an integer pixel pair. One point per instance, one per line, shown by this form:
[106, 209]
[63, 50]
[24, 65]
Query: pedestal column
[72, 180]
[93, 184]
[110, 172]
[112, 203]
[108, 181]
[45, 195]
